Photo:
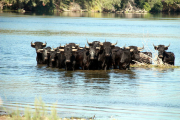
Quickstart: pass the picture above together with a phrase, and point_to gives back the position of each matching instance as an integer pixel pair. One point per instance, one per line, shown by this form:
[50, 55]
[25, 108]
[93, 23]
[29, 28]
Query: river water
[139, 93]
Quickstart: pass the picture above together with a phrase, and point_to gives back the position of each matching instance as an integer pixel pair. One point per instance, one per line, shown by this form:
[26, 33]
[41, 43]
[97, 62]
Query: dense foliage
[91, 5]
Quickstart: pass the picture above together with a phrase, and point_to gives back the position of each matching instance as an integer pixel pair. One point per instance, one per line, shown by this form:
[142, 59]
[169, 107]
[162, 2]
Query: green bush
[146, 6]
[157, 7]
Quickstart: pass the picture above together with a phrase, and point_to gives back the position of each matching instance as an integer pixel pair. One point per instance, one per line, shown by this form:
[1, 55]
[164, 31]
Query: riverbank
[129, 6]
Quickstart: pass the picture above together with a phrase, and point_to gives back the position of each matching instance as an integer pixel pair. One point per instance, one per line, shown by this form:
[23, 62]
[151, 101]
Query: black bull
[38, 46]
[166, 57]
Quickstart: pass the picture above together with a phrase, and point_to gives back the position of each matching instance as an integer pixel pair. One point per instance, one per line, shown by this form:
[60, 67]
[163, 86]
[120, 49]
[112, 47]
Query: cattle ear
[166, 48]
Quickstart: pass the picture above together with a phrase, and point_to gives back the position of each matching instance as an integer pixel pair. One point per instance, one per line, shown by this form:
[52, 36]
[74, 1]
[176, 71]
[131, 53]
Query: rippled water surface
[138, 93]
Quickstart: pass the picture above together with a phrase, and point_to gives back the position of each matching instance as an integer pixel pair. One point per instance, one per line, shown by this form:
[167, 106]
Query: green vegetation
[157, 66]
[40, 112]
[48, 6]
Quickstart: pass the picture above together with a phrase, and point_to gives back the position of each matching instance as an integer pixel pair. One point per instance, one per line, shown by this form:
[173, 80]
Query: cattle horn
[44, 44]
[131, 50]
[88, 42]
[154, 45]
[168, 45]
[124, 46]
[73, 47]
[101, 43]
[127, 47]
[32, 43]
[86, 46]
[114, 43]
[61, 46]
[98, 48]
[39, 50]
[61, 50]
[74, 50]
[140, 48]
[77, 44]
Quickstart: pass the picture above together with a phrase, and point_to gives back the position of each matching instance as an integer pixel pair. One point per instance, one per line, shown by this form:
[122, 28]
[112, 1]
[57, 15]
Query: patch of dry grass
[39, 112]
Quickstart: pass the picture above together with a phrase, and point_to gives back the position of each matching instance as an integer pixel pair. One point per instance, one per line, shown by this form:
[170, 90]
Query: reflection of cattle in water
[97, 76]
[38, 46]
[166, 57]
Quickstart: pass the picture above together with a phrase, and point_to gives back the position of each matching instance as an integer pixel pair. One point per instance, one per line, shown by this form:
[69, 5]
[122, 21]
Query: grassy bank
[38, 112]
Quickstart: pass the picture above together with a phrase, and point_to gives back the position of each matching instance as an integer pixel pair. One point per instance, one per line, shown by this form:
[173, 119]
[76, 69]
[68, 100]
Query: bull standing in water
[39, 46]
[166, 57]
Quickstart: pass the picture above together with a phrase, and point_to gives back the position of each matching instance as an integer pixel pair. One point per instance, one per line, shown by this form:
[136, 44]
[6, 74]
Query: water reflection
[128, 74]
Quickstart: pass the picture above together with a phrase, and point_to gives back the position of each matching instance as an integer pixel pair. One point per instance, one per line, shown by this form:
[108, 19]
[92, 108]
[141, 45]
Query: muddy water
[138, 93]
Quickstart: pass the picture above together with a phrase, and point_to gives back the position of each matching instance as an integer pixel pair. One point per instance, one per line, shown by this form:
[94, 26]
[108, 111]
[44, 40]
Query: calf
[166, 57]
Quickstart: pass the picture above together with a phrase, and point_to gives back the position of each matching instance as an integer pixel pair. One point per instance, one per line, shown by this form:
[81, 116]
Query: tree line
[46, 6]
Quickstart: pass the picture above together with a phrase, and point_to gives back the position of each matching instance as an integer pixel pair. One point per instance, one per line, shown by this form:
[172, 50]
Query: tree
[146, 6]
[157, 7]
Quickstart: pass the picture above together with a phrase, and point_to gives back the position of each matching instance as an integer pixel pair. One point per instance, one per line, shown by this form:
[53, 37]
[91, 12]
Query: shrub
[146, 6]
[157, 7]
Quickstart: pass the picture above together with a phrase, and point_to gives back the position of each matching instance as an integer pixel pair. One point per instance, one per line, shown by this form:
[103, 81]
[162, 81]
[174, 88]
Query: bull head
[165, 47]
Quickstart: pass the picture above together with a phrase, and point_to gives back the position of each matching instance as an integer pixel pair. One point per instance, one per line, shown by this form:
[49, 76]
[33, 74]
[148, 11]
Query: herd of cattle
[97, 55]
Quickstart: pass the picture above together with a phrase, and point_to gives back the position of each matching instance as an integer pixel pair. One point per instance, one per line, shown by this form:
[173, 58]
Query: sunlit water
[135, 94]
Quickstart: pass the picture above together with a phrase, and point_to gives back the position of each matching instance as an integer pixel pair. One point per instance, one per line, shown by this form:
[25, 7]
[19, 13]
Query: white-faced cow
[38, 46]
[167, 57]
